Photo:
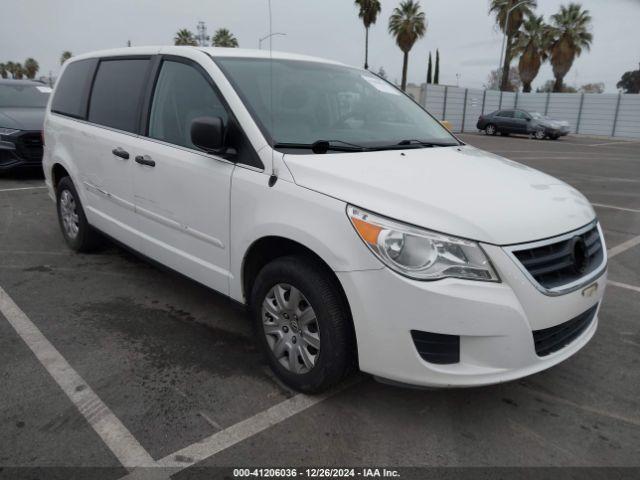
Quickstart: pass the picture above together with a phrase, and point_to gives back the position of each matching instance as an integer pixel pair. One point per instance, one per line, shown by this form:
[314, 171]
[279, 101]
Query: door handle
[145, 160]
[119, 152]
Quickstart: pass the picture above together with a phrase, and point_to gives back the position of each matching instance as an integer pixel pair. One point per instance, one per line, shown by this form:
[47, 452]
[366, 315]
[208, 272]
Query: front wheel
[302, 323]
[539, 135]
[77, 232]
[491, 129]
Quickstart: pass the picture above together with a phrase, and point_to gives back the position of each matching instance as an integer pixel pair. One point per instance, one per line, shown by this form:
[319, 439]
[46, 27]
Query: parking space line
[623, 247]
[108, 427]
[611, 143]
[236, 433]
[624, 285]
[20, 188]
[624, 209]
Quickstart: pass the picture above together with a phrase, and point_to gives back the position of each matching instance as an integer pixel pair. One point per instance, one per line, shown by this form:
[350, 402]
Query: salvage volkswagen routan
[359, 231]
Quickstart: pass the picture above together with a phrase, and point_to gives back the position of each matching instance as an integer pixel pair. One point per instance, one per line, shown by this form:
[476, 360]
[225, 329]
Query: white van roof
[213, 51]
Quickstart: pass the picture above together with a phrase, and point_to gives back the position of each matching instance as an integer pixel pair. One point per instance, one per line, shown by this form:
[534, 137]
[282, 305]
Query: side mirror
[207, 133]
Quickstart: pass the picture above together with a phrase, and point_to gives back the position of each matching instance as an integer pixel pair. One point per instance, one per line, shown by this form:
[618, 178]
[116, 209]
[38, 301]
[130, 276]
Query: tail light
[42, 137]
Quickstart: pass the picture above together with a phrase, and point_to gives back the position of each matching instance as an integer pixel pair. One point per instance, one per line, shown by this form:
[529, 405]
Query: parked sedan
[22, 106]
[519, 121]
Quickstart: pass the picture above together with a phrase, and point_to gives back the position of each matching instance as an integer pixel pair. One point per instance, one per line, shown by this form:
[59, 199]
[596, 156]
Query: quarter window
[116, 93]
[182, 94]
[70, 96]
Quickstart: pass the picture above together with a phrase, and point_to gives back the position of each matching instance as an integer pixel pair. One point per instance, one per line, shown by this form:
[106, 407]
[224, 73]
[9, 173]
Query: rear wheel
[77, 232]
[491, 129]
[302, 324]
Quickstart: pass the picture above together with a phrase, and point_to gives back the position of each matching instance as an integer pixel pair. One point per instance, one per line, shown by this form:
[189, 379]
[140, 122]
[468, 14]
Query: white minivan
[359, 231]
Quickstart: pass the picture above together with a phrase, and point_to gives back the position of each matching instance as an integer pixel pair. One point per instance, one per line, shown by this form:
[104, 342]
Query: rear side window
[506, 113]
[70, 97]
[116, 94]
[182, 94]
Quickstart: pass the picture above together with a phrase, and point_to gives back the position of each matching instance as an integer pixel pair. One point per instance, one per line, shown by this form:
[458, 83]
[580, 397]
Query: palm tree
[11, 68]
[66, 55]
[224, 38]
[31, 67]
[4, 73]
[501, 9]
[570, 35]
[18, 71]
[185, 37]
[531, 44]
[369, 10]
[407, 24]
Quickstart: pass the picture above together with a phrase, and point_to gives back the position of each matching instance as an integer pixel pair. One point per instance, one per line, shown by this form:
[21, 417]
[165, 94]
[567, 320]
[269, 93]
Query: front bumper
[495, 322]
[22, 150]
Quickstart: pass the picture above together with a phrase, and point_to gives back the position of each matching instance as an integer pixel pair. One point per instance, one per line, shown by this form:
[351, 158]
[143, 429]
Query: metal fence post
[580, 113]
[484, 97]
[426, 88]
[615, 117]
[546, 105]
[500, 102]
[464, 109]
[444, 106]
[515, 106]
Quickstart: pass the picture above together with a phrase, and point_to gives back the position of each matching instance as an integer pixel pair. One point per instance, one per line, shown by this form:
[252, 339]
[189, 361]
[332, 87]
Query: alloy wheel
[291, 328]
[490, 130]
[540, 134]
[69, 214]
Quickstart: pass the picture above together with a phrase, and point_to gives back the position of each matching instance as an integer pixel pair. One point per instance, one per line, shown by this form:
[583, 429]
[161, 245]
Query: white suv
[358, 230]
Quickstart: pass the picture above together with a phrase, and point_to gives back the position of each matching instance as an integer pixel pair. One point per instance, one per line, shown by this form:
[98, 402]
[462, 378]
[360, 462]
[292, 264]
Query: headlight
[418, 253]
[5, 132]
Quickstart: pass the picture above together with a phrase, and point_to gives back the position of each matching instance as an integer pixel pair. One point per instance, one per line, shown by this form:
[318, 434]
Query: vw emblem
[579, 255]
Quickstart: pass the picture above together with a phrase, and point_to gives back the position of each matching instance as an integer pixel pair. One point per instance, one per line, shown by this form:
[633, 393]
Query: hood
[22, 118]
[461, 191]
[554, 123]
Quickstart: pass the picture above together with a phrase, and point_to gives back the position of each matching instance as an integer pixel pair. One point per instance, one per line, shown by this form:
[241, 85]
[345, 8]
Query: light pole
[504, 37]
[269, 36]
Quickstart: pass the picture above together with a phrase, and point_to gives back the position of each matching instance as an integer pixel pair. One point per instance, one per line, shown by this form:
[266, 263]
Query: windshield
[317, 101]
[538, 116]
[24, 95]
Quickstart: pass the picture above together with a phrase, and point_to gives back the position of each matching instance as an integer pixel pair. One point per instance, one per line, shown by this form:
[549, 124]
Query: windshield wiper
[323, 146]
[413, 144]
[422, 143]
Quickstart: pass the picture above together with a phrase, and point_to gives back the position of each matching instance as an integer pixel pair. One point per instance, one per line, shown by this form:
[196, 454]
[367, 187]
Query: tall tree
[500, 8]
[4, 73]
[570, 35]
[66, 55]
[369, 10]
[11, 68]
[224, 38]
[630, 81]
[429, 68]
[531, 43]
[31, 67]
[436, 73]
[18, 71]
[407, 24]
[185, 36]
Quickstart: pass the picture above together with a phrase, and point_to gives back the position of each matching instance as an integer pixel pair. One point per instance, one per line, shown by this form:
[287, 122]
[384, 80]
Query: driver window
[182, 94]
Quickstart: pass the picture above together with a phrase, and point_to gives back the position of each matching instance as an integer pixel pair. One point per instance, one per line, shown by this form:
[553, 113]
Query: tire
[539, 135]
[491, 129]
[77, 232]
[323, 347]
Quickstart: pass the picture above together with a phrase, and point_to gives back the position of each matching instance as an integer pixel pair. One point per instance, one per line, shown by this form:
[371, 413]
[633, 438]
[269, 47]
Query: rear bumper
[494, 321]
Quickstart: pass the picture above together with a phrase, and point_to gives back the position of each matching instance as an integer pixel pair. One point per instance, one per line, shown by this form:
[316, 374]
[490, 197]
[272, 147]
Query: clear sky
[462, 30]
